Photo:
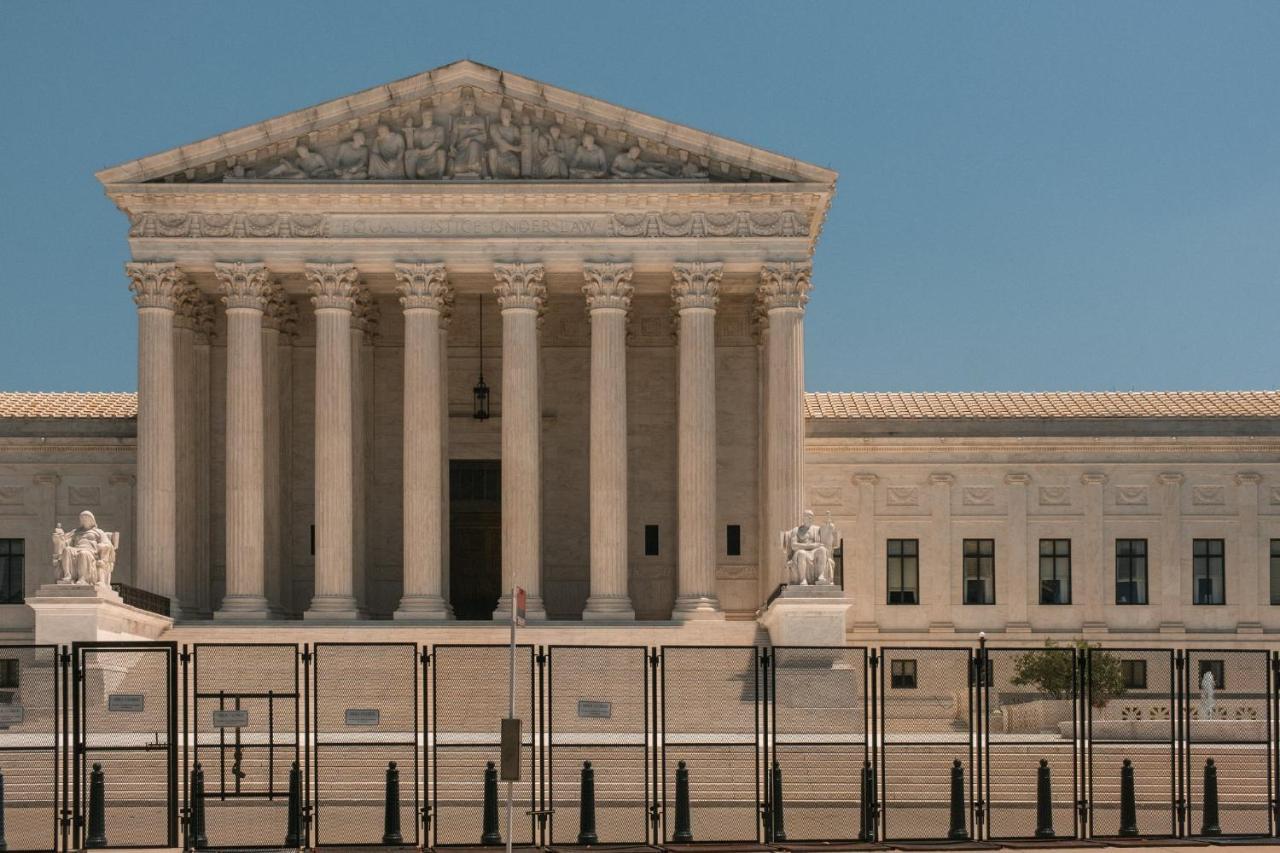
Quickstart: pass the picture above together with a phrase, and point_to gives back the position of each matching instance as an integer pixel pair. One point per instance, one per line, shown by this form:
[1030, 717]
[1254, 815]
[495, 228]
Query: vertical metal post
[656, 768]
[1179, 731]
[64, 661]
[511, 704]
[979, 776]
[186, 815]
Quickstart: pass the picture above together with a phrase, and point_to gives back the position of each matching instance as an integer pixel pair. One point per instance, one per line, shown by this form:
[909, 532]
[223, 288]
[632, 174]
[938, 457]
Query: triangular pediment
[480, 124]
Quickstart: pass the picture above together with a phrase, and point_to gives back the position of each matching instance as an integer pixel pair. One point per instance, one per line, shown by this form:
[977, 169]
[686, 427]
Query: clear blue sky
[1032, 196]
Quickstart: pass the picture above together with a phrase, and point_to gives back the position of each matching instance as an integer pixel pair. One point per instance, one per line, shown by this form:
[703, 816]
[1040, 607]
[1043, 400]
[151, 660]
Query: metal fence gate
[1132, 717]
[361, 726]
[601, 720]
[712, 705]
[927, 726]
[243, 724]
[464, 739]
[32, 708]
[1227, 720]
[126, 724]
[1030, 702]
[817, 724]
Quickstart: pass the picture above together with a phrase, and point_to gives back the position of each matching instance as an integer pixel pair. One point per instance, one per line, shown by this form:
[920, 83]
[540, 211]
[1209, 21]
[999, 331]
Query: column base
[697, 607]
[534, 611]
[336, 607]
[424, 607]
[609, 608]
[243, 607]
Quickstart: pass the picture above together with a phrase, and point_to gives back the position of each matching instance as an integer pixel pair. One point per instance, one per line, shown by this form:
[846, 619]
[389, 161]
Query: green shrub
[1050, 671]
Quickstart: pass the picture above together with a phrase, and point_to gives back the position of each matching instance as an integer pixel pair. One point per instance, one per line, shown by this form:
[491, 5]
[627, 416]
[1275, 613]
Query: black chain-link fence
[365, 722]
[126, 727]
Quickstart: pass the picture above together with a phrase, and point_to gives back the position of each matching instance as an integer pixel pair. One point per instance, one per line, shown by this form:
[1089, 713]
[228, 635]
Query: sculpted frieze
[784, 223]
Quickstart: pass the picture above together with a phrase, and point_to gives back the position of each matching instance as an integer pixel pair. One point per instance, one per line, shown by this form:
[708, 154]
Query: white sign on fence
[363, 716]
[10, 715]
[591, 708]
[231, 718]
[128, 703]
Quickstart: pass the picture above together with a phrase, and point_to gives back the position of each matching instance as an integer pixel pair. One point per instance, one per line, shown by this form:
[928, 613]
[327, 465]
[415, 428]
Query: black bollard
[587, 807]
[490, 833]
[684, 825]
[293, 832]
[4, 845]
[779, 831]
[198, 838]
[391, 809]
[97, 809]
[866, 828]
[1128, 801]
[1044, 801]
[959, 830]
[1209, 824]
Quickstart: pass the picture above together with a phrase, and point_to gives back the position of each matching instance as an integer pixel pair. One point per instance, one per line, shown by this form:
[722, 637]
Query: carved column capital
[424, 286]
[1170, 478]
[697, 284]
[364, 313]
[280, 314]
[785, 284]
[156, 284]
[1248, 477]
[941, 479]
[244, 285]
[1093, 478]
[520, 286]
[865, 478]
[333, 285]
[1017, 479]
[189, 301]
[608, 286]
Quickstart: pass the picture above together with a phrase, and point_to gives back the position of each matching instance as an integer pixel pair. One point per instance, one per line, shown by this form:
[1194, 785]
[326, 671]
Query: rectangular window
[651, 540]
[1275, 571]
[1134, 674]
[313, 540]
[902, 674]
[1219, 671]
[979, 571]
[1208, 571]
[1131, 571]
[904, 571]
[733, 540]
[11, 570]
[1055, 571]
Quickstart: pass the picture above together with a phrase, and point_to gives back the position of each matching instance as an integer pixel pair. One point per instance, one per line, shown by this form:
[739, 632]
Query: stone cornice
[697, 284]
[423, 285]
[156, 284]
[520, 286]
[244, 285]
[608, 286]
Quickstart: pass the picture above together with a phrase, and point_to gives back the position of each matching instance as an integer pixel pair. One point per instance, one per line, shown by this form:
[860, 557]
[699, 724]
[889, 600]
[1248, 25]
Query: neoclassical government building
[404, 350]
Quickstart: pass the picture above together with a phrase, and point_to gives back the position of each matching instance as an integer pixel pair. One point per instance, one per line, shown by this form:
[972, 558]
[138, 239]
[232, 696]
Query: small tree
[1051, 671]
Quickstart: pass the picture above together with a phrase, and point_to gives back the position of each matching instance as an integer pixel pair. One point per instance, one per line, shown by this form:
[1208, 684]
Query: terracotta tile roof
[1087, 404]
[76, 404]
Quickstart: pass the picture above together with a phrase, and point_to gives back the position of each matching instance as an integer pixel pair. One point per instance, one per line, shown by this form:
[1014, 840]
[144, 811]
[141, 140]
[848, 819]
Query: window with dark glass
[1208, 558]
[1055, 571]
[733, 540]
[12, 559]
[979, 571]
[1134, 674]
[1131, 571]
[903, 556]
[1275, 571]
[651, 540]
[1219, 670]
[902, 674]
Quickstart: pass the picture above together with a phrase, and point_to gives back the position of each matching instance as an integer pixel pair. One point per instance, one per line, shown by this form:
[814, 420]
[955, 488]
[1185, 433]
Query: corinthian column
[425, 294]
[156, 288]
[696, 292]
[521, 295]
[364, 324]
[185, 458]
[608, 291]
[278, 324]
[334, 288]
[245, 289]
[784, 290]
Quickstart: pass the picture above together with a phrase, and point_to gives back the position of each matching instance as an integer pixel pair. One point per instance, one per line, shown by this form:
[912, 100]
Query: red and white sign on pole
[517, 612]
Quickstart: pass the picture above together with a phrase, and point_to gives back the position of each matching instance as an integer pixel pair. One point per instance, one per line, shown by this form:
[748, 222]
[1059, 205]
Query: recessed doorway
[475, 537]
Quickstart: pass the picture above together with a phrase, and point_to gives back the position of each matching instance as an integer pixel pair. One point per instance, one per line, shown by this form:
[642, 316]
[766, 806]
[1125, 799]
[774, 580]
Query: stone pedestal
[806, 616]
[68, 613]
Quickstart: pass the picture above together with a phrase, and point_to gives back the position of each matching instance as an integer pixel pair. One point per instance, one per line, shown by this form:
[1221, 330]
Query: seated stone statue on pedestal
[810, 552]
[86, 555]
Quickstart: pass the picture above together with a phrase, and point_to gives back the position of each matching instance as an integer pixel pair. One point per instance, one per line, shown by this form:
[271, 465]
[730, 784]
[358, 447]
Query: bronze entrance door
[475, 537]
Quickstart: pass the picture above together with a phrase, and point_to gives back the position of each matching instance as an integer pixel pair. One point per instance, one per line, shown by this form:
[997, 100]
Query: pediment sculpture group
[474, 147]
[85, 555]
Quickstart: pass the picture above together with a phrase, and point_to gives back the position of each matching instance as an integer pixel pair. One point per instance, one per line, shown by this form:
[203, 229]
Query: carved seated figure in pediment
[85, 555]
[628, 165]
[352, 163]
[425, 155]
[310, 164]
[504, 154]
[386, 155]
[589, 160]
[467, 143]
[555, 150]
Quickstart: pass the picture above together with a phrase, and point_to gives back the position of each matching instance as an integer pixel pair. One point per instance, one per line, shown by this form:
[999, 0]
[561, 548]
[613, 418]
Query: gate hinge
[764, 655]
[653, 658]
[425, 657]
[1177, 661]
[540, 657]
[306, 656]
[184, 656]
